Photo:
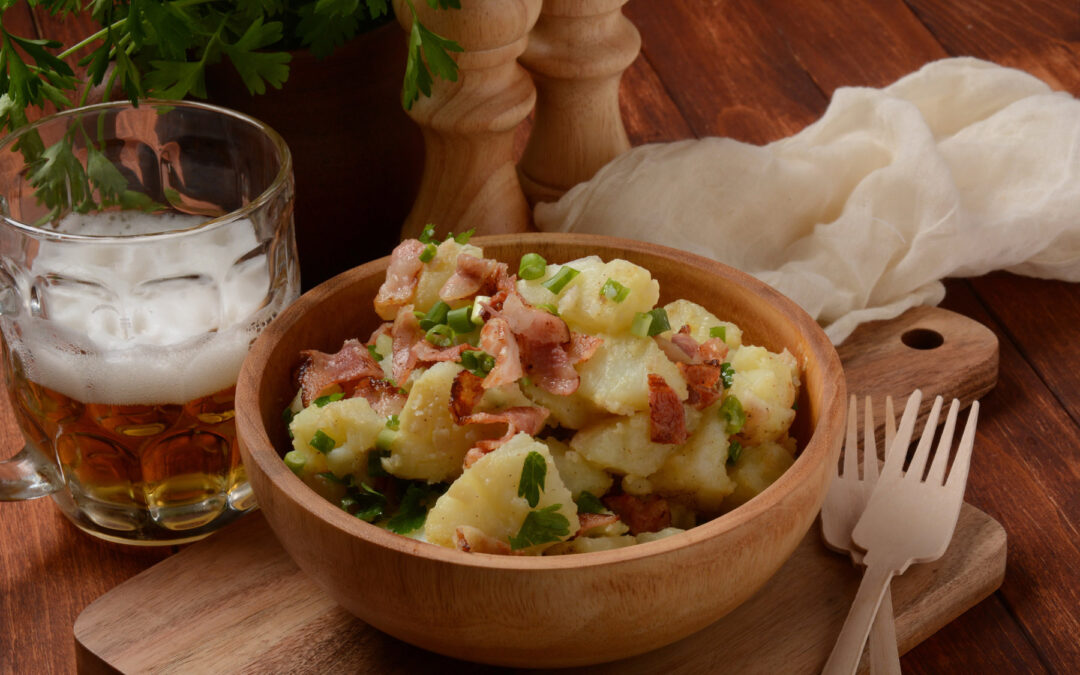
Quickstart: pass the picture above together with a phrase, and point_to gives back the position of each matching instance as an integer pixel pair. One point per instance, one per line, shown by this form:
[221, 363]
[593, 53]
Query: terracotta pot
[357, 156]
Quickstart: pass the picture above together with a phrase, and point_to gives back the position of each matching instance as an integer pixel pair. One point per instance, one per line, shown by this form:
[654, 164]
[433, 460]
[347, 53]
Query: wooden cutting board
[236, 603]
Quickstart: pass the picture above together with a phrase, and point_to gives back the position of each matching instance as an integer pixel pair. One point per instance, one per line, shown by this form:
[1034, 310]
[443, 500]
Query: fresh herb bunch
[161, 48]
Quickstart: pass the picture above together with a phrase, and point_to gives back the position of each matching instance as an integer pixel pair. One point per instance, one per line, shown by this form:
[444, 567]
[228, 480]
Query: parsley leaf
[411, 515]
[533, 473]
[541, 527]
[587, 502]
[424, 44]
[259, 68]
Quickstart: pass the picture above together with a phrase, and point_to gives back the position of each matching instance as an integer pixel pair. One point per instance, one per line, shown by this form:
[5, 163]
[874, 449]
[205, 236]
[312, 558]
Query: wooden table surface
[758, 70]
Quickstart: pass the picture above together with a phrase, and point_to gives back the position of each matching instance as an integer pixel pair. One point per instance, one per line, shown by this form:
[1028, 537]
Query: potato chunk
[485, 496]
[765, 384]
[352, 425]
[579, 474]
[701, 321]
[430, 445]
[438, 270]
[584, 307]
[616, 378]
[758, 467]
[571, 412]
[622, 445]
[697, 472]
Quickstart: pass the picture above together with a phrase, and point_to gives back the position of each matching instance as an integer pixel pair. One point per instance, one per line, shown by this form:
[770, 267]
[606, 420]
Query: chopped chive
[613, 290]
[440, 336]
[321, 442]
[719, 331]
[549, 308]
[659, 321]
[385, 439]
[435, 316]
[426, 236]
[329, 398]
[463, 237]
[732, 411]
[393, 422]
[532, 266]
[476, 315]
[727, 374]
[459, 320]
[642, 323]
[477, 362]
[428, 254]
[558, 282]
[734, 451]
[295, 460]
[374, 352]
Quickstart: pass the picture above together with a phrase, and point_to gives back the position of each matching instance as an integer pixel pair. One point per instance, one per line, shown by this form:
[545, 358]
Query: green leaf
[322, 442]
[418, 499]
[257, 68]
[541, 527]
[734, 451]
[587, 502]
[533, 473]
[436, 50]
[105, 176]
[173, 80]
[323, 401]
[324, 31]
[377, 8]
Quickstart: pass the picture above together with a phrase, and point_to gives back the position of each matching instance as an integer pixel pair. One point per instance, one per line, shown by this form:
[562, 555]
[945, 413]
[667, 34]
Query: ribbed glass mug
[142, 249]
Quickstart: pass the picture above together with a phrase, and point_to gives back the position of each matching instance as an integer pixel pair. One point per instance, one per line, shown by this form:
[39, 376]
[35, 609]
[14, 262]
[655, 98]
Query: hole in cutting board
[922, 338]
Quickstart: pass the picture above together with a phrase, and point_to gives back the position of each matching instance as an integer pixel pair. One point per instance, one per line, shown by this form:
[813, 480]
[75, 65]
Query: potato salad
[545, 409]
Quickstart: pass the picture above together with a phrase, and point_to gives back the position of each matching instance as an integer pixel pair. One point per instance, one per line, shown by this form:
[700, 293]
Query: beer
[123, 372]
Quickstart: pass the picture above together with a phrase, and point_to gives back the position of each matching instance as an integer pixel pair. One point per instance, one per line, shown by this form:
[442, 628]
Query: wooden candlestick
[577, 53]
[469, 178]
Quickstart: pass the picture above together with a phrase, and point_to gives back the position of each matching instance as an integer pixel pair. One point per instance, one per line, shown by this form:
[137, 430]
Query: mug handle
[27, 475]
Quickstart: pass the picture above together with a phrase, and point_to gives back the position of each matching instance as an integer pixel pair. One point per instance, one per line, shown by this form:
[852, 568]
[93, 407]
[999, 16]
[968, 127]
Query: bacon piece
[497, 339]
[667, 419]
[594, 520]
[429, 353]
[549, 366]
[465, 392]
[674, 352]
[641, 514]
[535, 324]
[701, 382]
[529, 419]
[402, 276]
[472, 540]
[406, 332]
[320, 371]
[472, 276]
[686, 342]
[382, 395]
[582, 347]
[713, 349]
[383, 329]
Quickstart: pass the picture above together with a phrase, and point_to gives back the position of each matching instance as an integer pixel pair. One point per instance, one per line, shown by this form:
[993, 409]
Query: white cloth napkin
[958, 169]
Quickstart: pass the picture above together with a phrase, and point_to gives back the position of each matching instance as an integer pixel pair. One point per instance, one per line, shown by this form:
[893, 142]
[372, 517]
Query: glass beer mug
[142, 249]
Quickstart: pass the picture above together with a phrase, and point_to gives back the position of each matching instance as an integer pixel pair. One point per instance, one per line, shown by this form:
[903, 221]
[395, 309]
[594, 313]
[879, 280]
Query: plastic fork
[908, 519]
[844, 504]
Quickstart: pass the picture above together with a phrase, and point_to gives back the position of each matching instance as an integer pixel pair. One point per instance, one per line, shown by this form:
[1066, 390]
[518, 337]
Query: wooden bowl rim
[827, 432]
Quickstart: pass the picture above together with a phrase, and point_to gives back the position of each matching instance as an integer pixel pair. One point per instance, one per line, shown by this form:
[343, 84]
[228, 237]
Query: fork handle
[844, 659]
[884, 653]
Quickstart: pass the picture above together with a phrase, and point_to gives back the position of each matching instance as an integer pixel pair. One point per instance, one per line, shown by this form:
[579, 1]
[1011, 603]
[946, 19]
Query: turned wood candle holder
[577, 53]
[469, 178]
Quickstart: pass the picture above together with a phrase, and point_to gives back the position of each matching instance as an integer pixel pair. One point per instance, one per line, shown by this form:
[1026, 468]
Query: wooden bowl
[543, 611]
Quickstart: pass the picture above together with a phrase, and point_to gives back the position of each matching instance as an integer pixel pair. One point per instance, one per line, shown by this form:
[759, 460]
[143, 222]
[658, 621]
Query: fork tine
[890, 425]
[851, 443]
[922, 453]
[958, 476]
[894, 459]
[870, 460]
[936, 475]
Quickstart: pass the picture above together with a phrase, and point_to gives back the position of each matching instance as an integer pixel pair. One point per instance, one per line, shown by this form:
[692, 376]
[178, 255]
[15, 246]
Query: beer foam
[145, 321]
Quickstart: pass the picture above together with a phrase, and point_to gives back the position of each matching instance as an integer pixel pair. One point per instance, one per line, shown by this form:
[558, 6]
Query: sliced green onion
[642, 323]
[727, 374]
[428, 254]
[659, 321]
[556, 283]
[287, 416]
[734, 450]
[321, 442]
[295, 460]
[549, 308]
[435, 315]
[393, 422]
[732, 411]
[463, 237]
[330, 476]
[426, 236]
[374, 352]
[719, 331]
[322, 401]
[459, 320]
[532, 266]
[476, 314]
[613, 290]
[440, 336]
[477, 362]
[385, 439]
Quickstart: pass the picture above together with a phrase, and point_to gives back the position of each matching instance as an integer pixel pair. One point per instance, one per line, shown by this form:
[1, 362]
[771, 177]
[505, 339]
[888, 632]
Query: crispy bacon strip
[472, 276]
[429, 353]
[641, 514]
[713, 349]
[497, 339]
[529, 419]
[473, 540]
[320, 371]
[465, 392]
[667, 419]
[406, 332]
[535, 324]
[549, 366]
[702, 380]
[401, 278]
[384, 397]
[686, 342]
[383, 329]
[594, 520]
[674, 352]
[582, 347]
